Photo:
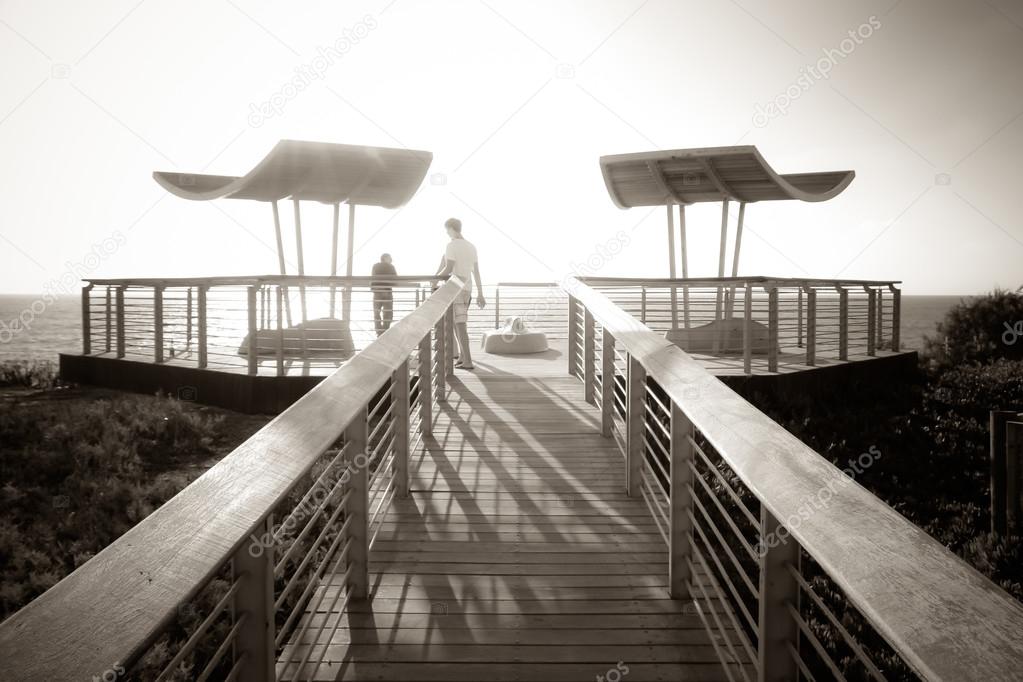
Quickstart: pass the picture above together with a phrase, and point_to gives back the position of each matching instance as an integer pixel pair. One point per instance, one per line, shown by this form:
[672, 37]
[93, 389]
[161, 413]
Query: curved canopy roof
[315, 171]
[687, 176]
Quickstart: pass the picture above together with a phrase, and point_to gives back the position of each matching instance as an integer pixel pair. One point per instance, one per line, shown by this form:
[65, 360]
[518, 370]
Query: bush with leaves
[75, 476]
[978, 331]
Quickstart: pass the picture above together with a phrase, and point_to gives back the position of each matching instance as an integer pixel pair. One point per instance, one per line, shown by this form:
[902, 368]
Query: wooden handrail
[113, 607]
[715, 281]
[250, 280]
[945, 619]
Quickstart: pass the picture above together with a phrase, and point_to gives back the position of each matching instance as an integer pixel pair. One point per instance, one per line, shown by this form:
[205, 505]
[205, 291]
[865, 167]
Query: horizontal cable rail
[795, 570]
[541, 305]
[231, 578]
[266, 325]
[769, 323]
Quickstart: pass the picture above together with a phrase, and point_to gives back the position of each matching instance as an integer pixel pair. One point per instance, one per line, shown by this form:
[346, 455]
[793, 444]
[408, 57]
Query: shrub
[978, 331]
[74, 476]
[35, 374]
[1000, 559]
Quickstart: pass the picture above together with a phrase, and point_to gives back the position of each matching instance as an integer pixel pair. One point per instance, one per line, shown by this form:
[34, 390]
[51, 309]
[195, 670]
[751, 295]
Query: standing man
[460, 260]
[383, 299]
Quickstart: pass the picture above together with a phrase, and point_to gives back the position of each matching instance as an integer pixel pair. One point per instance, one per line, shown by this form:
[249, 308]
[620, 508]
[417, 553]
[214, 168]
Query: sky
[517, 101]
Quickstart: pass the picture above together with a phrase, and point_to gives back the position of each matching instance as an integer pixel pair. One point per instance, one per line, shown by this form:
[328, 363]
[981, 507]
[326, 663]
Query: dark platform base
[271, 394]
[829, 379]
[233, 391]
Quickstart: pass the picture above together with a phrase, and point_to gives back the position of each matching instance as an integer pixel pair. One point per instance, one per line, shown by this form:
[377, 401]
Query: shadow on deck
[518, 555]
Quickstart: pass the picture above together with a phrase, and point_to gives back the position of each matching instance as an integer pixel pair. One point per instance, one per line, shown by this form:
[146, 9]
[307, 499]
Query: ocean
[56, 328]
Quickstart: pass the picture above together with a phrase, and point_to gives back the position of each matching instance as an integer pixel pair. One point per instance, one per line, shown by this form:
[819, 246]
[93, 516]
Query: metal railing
[540, 304]
[796, 571]
[292, 321]
[243, 573]
[765, 321]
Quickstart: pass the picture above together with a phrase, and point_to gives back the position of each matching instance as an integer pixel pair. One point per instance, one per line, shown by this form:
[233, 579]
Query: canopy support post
[671, 265]
[333, 258]
[346, 301]
[718, 308]
[301, 258]
[685, 263]
[735, 257]
[280, 259]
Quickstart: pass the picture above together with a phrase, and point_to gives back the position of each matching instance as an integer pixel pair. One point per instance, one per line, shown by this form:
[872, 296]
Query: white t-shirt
[462, 253]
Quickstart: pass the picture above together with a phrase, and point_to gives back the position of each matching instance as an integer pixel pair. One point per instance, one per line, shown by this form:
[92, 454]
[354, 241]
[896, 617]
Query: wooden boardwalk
[518, 555]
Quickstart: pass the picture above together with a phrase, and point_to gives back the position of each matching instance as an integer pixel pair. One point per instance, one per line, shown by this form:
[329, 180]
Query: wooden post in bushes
[1014, 475]
[1003, 493]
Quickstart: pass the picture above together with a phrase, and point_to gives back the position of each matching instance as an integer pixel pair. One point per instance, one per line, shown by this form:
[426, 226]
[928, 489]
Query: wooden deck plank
[518, 555]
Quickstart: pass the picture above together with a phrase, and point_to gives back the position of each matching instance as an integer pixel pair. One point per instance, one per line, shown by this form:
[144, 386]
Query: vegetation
[77, 472]
[28, 374]
[978, 332]
[931, 429]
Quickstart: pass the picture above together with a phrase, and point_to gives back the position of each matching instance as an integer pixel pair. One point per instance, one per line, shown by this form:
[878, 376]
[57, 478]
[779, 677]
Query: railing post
[425, 386]
[772, 328]
[253, 331]
[119, 298]
[589, 358]
[280, 331]
[188, 319]
[685, 296]
[252, 567]
[607, 383]
[642, 303]
[573, 334]
[843, 323]
[634, 416]
[86, 320]
[896, 316]
[1014, 476]
[799, 318]
[358, 507]
[400, 403]
[879, 344]
[203, 360]
[779, 591]
[747, 330]
[811, 326]
[871, 304]
[439, 377]
[449, 341]
[158, 323]
[997, 425]
[497, 307]
[679, 551]
[109, 313]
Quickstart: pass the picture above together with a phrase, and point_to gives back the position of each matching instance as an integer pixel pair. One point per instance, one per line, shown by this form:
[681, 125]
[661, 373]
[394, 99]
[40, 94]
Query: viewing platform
[611, 507]
[187, 337]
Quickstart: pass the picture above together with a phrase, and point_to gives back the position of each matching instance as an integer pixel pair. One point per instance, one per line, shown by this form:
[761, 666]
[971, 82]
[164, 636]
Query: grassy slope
[79, 467]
